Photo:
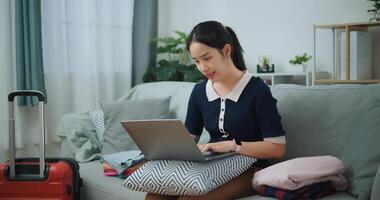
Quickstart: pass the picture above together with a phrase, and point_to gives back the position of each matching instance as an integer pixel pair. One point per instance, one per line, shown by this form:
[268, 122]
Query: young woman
[237, 109]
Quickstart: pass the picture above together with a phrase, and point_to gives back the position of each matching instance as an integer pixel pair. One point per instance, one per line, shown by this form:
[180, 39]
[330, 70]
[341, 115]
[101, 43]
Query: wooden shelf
[329, 26]
[348, 27]
[333, 81]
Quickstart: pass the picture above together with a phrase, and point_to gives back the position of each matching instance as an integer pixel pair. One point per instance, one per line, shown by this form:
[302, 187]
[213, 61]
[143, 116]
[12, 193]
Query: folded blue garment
[122, 160]
[313, 191]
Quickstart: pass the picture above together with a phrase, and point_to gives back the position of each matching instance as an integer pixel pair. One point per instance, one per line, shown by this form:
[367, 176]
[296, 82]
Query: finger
[205, 148]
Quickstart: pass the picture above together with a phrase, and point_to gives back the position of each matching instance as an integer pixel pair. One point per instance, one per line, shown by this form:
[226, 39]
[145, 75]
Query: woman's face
[211, 62]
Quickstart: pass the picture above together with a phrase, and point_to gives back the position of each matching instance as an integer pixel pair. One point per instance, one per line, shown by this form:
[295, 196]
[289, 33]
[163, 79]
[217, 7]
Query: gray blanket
[81, 136]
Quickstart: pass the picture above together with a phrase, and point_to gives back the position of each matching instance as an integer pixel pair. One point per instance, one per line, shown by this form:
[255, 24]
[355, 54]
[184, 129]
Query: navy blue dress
[248, 113]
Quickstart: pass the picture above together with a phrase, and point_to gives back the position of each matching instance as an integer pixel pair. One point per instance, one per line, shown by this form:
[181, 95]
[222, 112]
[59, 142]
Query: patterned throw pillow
[170, 177]
[97, 119]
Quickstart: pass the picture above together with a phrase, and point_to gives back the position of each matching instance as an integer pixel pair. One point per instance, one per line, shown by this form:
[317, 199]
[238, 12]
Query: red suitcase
[37, 178]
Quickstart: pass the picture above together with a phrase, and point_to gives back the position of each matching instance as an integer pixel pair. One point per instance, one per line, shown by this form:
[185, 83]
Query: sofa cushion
[361, 154]
[338, 120]
[179, 92]
[376, 185]
[96, 186]
[317, 120]
[116, 139]
[172, 177]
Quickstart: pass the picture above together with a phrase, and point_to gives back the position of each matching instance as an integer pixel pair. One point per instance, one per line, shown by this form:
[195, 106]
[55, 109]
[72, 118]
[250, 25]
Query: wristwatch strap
[237, 146]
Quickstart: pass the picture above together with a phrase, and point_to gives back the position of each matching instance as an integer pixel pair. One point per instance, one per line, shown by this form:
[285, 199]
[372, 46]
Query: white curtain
[27, 126]
[87, 54]
[6, 75]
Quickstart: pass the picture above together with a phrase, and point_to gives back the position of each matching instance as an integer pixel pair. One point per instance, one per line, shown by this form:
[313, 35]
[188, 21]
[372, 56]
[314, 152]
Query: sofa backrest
[317, 120]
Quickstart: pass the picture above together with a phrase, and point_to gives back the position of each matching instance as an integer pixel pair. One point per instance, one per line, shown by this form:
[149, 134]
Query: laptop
[167, 139]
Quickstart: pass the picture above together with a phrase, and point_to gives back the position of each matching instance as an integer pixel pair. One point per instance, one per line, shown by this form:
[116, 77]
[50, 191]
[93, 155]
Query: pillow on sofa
[116, 139]
[361, 153]
[172, 177]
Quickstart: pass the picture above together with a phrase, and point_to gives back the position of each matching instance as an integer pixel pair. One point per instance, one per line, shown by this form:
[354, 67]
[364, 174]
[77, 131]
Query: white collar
[234, 94]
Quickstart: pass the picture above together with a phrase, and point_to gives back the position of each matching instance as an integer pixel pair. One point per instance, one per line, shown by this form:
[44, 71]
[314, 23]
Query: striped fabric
[170, 177]
[97, 119]
[313, 191]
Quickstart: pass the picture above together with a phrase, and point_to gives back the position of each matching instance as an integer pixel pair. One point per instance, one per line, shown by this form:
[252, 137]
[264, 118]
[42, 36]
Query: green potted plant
[300, 61]
[264, 66]
[375, 10]
[173, 63]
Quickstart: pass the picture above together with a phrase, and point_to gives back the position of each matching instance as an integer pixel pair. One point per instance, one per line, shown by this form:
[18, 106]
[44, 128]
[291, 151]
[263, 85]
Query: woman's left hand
[220, 147]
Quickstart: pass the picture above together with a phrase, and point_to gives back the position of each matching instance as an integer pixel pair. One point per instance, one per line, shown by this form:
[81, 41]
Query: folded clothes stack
[301, 178]
[122, 164]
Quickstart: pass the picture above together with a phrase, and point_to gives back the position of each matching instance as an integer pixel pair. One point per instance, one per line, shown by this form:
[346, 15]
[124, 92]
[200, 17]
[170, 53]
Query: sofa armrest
[78, 137]
[375, 193]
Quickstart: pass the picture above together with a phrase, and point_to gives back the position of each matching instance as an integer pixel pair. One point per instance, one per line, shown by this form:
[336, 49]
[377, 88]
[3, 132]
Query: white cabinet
[283, 78]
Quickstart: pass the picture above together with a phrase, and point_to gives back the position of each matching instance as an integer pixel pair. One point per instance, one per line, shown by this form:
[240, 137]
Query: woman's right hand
[219, 147]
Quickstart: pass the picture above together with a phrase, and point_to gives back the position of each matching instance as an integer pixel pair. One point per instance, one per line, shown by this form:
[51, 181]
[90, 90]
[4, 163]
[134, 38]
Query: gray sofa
[338, 120]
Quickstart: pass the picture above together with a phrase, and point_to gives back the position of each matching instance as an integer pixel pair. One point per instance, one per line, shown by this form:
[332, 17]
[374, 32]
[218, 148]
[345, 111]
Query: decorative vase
[298, 68]
[304, 67]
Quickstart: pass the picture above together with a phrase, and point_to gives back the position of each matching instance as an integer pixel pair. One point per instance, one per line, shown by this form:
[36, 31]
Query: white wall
[281, 29]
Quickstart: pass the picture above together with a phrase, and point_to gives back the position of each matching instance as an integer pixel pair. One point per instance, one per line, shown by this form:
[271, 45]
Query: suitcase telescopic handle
[12, 95]
[12, 135]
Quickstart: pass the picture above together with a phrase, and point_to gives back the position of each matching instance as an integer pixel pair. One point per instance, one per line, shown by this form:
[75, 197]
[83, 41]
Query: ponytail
[237, 51]
[216, 35]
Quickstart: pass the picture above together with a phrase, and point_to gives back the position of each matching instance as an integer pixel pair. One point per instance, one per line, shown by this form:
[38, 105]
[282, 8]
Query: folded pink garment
[108, 170]
[299, 172]
[110, 173]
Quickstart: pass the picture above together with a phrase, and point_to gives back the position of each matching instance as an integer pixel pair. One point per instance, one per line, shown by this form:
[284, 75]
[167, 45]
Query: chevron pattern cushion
[170, 177]
[97, 119]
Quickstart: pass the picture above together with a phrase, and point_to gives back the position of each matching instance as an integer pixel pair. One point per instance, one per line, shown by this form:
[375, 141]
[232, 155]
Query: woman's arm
[263, 150]
[260, 150]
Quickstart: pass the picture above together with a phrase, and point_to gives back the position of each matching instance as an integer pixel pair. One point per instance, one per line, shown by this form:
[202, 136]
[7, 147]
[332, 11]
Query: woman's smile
[210, 75]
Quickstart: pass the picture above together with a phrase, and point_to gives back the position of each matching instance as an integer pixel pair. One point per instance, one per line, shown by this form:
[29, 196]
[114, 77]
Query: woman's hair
[216, 35]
